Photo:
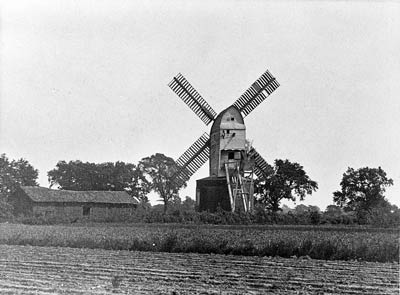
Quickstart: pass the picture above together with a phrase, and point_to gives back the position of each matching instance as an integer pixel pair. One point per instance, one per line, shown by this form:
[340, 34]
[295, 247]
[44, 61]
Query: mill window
[231, 155]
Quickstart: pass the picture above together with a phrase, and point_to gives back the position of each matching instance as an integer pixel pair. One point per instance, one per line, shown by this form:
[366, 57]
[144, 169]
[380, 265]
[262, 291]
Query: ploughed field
[57, 270]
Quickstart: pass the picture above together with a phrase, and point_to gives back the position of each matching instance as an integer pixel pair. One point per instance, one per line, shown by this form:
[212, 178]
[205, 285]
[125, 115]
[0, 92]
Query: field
[197, 259]
[52, 270]
[329, 243]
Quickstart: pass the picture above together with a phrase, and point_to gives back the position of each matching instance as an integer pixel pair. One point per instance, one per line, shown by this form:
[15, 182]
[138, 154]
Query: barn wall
[21, 202]
[61, 210]
[110, 212]
[97, 212]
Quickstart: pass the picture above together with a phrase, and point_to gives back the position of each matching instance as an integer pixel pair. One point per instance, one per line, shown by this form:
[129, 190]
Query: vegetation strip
[316, 244]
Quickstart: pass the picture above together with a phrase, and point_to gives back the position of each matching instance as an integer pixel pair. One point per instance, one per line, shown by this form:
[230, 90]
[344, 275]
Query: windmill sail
[193, 159]
[261, 167]
[192, 98]
[256, 94]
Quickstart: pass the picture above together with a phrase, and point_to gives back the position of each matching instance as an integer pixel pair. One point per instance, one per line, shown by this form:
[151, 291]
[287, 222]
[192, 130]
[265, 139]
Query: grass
[330, 243]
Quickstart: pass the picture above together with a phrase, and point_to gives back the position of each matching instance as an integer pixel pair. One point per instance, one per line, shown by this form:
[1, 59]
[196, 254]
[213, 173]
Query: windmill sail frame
[261, 167]
[256, 93]
[194, 157]
[192, 98]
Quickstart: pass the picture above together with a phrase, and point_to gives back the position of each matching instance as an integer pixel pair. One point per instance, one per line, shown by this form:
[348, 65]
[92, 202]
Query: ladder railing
[228, 181]
[249, 180]
[237, 187]
[243, 193]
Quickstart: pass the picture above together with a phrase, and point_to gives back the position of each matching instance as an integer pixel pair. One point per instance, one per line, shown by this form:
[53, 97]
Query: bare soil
[55, 270]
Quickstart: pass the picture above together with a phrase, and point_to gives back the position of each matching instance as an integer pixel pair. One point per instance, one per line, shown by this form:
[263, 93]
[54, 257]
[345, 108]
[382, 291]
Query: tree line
[361, 190]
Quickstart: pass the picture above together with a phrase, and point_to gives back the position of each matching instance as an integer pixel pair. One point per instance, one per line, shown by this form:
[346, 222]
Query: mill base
[212, 194]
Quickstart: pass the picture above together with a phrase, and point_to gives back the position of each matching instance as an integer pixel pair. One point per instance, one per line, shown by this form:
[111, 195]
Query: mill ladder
[237, 188]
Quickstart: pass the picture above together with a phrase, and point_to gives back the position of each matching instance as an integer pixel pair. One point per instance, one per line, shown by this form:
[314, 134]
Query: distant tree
[139, 186]
[385, 214]
[312, 208]
[333, 210]
[286, 209]
[300, 209]
[176, 200]
[287, 181]
[14, 173]
[160, 171]
[189, 204]
[118, 176]
[362, 190]
[307, 214]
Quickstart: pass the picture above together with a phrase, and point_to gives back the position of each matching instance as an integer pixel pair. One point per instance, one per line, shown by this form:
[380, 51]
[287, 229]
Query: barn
[73, 205]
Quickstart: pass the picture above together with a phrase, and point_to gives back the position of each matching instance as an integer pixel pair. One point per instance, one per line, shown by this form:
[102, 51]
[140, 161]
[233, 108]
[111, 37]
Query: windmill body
[227, 140]
[232, 161]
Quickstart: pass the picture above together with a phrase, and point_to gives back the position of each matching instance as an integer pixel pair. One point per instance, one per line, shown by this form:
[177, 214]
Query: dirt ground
[51, 270]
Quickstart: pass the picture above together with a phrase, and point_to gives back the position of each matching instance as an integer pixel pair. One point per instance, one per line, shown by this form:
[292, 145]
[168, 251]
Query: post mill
[233, 161]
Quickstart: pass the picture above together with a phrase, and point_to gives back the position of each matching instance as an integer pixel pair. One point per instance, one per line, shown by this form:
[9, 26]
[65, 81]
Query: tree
[333, 210]
[118, 176]
[362, 190]
[286, 209]
[300, 209]
[13, 174]
[160, 171]
[385, 214]
[286, 181]
[139, 186]
[189, 204]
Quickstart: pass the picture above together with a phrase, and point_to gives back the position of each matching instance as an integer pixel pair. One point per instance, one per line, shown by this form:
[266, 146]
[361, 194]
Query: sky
[87, 80]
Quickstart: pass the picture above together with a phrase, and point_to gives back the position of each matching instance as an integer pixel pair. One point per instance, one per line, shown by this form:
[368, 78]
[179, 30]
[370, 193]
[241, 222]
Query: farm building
[92, 205]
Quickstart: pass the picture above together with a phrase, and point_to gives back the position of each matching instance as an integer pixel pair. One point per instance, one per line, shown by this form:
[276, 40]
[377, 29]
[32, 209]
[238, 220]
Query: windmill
[233, 162]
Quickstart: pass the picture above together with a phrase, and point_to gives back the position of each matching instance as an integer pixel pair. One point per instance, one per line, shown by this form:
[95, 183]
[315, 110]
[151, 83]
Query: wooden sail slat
[194, 157]
[192, 98]
[256, 93]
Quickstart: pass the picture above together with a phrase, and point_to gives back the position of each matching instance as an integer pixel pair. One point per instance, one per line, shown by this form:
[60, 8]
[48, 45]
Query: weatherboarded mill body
[74, 205]
[232, 160]
[227, 186]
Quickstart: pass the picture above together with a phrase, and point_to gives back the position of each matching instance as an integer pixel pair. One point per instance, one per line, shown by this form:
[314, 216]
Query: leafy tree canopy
[118, 176]
[362, 189]
[300, 209]
[287, 181]
[333, 209]
[160, 171]
[14, 173]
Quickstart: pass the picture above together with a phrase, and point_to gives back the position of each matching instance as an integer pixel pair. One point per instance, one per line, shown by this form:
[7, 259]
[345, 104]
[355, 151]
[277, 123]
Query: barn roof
[43, 194]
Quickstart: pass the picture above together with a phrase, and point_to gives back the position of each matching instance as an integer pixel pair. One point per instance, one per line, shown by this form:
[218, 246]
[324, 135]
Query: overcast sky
[88, 80]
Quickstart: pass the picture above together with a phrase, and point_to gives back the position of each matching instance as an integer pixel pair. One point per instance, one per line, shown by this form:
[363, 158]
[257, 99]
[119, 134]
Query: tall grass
[319, 243]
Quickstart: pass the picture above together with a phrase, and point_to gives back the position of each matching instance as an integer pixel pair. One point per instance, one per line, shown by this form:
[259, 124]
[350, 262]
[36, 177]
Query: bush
[315, 217]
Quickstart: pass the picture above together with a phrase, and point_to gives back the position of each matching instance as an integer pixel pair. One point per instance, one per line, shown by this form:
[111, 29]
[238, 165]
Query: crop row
[317, 244]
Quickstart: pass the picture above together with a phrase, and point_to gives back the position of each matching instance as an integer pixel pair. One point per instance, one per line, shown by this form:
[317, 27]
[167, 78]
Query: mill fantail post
[233, 162]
